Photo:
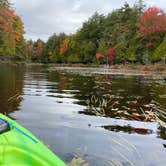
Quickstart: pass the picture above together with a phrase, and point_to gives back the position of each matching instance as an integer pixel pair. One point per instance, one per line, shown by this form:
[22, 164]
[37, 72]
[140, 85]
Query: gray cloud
[42, 18]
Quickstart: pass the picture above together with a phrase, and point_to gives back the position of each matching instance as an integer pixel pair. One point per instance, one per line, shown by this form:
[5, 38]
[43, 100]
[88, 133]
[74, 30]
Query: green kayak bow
[18, 147]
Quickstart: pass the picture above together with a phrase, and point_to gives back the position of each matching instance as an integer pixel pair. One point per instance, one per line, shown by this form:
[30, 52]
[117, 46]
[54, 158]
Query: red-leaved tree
[98, 56]
[111, 54]
[152, 21]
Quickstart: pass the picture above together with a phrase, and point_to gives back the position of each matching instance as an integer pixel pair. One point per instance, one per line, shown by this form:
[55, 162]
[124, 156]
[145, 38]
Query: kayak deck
[20, 148]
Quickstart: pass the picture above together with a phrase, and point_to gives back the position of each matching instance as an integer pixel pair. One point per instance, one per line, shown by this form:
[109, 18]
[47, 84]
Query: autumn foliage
[128, 34]
[98, 56]
[151, 21]
[149, 45]
[6, 19]
[64, 47]
[111, 54]
[30, 48]
[35, 50]
[11, 30]
[39, 49]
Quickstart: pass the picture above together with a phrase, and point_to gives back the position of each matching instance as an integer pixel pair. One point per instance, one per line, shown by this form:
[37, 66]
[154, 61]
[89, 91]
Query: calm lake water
[53, 106]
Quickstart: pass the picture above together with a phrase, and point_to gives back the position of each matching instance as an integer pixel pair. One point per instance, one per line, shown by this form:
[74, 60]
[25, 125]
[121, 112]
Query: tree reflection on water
[11, 88]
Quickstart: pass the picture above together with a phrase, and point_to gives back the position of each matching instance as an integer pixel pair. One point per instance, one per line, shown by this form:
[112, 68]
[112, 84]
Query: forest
[130, 34]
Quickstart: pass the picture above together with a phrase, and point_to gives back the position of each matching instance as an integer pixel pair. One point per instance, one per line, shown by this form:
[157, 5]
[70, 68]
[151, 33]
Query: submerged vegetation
[78, 162]
[107, 106]
[128, 34]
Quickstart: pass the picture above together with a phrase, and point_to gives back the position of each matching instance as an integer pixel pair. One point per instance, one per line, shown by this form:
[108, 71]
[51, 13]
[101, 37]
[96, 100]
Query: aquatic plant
[100, 106]
[78, 162]
[155, 114]
[107, 106]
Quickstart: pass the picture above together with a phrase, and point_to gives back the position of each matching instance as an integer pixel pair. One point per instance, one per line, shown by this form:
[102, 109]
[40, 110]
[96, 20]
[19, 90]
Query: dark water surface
[52, 105]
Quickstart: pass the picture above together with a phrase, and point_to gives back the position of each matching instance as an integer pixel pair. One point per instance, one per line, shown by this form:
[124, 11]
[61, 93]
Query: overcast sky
[42, 18]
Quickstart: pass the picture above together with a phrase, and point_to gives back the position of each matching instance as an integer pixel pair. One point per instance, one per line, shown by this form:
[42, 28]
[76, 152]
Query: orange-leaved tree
[39, 49]
[98, 55]
[64, 46]
[11, 29]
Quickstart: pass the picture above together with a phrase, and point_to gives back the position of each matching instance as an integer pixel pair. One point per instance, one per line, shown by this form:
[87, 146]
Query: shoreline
[129, 69]
[158, 71]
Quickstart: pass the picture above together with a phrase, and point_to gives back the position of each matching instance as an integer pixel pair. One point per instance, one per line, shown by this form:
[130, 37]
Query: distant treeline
[133, 34]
